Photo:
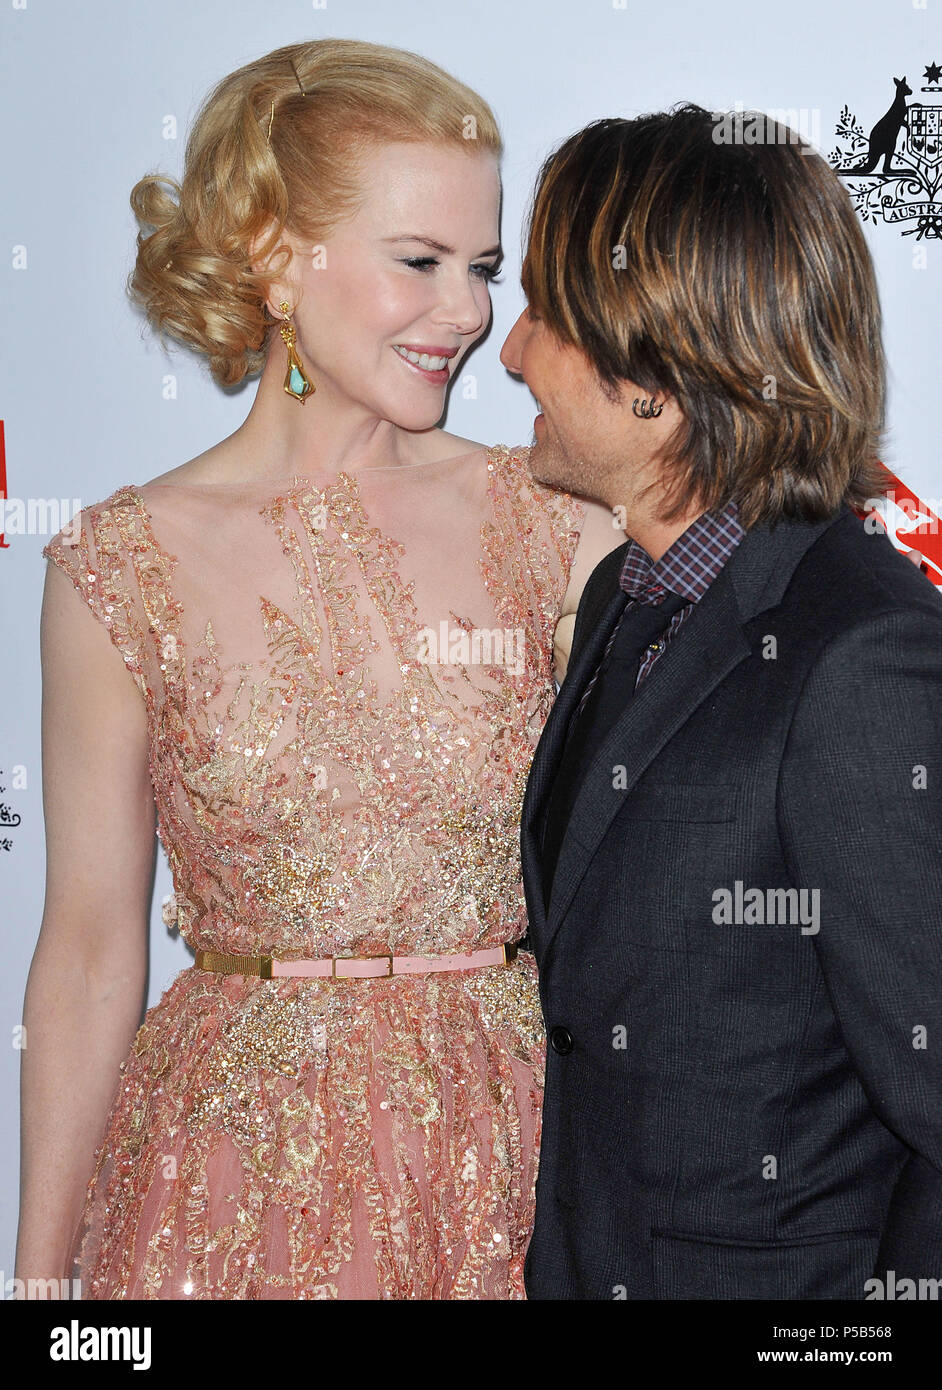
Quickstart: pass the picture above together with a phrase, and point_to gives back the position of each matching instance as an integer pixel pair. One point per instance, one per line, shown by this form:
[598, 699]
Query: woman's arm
[599, 535]
[86, 985]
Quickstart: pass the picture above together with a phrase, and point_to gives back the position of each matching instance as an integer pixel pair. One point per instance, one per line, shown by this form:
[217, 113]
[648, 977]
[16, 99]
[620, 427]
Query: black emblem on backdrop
[8, 819]
[901, 177]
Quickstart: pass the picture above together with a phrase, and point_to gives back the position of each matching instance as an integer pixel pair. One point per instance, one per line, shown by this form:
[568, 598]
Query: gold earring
[296, 383]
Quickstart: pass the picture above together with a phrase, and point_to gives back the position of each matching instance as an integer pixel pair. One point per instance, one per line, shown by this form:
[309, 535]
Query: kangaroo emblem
[884, 134]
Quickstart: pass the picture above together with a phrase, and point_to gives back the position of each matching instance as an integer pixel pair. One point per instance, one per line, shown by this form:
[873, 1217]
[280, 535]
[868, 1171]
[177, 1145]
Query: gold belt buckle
[334, 960]
[230, 963]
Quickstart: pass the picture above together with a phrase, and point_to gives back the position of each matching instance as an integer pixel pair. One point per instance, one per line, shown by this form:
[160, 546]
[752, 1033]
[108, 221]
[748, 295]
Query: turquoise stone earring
[296, 383]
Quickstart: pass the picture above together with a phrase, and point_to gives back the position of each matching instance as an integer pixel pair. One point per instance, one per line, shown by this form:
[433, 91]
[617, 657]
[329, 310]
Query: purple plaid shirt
[687, 568]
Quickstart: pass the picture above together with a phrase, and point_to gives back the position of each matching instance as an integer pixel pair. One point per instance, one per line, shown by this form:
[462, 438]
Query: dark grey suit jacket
[745, 1110]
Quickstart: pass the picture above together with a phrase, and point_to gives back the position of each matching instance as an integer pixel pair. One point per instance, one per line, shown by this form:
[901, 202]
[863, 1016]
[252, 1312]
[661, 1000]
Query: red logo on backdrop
[911, 524]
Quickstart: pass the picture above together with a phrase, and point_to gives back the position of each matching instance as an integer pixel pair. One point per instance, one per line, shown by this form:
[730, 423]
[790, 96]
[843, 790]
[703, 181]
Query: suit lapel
[550, 747]
[602, 602]
[711, 643]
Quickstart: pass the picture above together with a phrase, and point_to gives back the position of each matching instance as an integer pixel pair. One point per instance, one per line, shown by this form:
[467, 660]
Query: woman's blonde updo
[322, 102]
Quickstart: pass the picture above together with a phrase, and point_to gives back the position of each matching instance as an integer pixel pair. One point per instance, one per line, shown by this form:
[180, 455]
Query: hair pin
[297, 79]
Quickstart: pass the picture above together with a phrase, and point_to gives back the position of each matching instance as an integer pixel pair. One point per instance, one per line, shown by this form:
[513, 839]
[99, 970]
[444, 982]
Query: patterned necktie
[604, 699]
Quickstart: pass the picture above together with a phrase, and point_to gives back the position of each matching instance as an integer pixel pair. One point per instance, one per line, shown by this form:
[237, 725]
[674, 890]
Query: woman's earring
[296, 383]
[647, 410]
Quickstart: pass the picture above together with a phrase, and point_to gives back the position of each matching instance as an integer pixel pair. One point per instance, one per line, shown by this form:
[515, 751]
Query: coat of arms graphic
[900, 179]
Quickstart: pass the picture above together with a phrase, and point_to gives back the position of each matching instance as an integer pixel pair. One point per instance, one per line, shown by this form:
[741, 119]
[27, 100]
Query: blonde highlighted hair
[275, 147]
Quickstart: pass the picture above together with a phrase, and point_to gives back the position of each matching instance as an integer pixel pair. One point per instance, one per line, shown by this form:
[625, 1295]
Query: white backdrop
[96, 92]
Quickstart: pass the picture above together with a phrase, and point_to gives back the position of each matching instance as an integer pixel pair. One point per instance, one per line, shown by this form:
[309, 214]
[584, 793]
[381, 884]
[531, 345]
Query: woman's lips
[438, 377]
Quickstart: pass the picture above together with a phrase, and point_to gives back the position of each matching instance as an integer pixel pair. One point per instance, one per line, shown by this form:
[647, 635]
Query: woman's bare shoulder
[442, 446]
[217, 464]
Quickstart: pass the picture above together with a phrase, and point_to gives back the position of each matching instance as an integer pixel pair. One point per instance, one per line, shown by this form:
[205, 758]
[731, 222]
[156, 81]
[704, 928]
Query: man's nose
[513, 345]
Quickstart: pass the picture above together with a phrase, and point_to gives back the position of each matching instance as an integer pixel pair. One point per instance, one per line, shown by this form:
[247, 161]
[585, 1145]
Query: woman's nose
[460, 307]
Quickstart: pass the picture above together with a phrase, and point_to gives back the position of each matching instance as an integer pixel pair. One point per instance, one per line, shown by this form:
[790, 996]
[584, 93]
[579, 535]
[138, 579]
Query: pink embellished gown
[338, 760]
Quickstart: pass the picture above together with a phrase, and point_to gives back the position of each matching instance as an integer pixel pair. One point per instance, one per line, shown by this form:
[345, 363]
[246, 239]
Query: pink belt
[353, 967]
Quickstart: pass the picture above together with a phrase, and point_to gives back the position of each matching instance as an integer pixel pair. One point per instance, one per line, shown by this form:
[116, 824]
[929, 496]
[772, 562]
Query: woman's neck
[324, 435]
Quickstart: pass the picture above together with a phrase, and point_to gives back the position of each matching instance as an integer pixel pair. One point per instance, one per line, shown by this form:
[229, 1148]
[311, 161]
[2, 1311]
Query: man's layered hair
[682, 255]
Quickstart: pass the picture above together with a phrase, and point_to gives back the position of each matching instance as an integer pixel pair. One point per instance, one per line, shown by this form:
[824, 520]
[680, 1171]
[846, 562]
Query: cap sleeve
[547, 523]
[94, 550]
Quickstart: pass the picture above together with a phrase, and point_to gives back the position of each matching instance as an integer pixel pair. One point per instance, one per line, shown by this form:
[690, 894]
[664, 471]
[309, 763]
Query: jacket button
[561, 1040]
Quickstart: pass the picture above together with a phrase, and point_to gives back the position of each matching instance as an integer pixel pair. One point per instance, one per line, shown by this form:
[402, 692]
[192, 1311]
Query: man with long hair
[732, 829]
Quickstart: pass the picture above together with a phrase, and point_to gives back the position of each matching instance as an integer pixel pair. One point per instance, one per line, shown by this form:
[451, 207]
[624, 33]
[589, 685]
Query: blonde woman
[316, 659]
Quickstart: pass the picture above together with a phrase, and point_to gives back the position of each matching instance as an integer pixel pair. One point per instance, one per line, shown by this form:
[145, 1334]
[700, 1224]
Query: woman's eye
[422, 263]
